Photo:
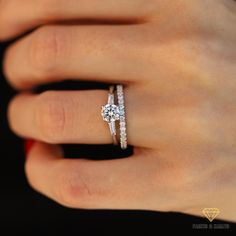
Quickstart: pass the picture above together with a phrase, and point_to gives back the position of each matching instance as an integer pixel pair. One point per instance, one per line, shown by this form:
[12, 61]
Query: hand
[177, 62]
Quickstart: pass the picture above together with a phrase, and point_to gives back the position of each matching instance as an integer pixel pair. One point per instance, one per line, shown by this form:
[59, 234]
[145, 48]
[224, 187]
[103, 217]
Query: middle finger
[85, 52]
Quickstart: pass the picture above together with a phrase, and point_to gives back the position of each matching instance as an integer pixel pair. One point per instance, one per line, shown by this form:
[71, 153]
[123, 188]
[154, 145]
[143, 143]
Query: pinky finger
[117, 184]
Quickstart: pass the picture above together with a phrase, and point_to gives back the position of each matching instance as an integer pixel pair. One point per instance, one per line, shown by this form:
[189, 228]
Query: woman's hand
[177, 62]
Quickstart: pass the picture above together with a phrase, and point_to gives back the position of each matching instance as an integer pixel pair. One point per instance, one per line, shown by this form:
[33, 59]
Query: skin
[177, 62]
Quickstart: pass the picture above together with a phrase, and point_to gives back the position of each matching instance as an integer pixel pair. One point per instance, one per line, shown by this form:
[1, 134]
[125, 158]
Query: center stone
[110, 113]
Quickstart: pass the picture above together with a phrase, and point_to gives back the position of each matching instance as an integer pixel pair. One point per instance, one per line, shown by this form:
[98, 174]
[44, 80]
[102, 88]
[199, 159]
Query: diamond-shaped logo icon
[211, 213]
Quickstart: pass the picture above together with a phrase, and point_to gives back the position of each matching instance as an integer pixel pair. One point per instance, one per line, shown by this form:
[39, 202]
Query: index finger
[16, 17]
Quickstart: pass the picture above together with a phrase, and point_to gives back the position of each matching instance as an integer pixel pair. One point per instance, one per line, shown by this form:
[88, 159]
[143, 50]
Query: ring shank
[112, 126]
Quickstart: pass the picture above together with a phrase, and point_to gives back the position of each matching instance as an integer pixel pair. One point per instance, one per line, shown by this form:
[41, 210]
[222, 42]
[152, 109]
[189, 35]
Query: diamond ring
[111, 113]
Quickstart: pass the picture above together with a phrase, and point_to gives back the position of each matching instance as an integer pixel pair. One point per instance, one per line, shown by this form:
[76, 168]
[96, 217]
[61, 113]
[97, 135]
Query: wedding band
[122, 119]
[110, 113]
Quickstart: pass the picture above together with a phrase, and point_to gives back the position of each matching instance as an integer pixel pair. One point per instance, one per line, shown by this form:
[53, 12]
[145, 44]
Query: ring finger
[66, 117]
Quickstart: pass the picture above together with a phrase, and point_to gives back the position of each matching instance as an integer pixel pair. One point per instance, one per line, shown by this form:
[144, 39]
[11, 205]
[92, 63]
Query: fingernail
[28, 145]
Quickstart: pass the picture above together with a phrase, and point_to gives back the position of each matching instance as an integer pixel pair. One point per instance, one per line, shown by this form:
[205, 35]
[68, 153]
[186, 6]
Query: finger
[17, 17]
[79, 183]
[84, 52]
[63, 117]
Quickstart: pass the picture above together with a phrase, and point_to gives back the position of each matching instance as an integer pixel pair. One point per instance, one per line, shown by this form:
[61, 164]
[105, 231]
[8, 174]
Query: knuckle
[48, 45]
[73, 191]
[50, 117]
[67, 193]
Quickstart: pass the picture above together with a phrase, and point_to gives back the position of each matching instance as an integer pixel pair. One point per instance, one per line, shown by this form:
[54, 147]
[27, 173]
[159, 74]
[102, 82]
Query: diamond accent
[123, 134]
[110, 113]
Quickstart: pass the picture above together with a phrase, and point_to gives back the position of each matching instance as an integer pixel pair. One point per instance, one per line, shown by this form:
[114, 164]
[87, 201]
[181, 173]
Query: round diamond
[122, 124]
[110, 113]
[121, 101]
[123, 129]
[122, 118]
[122, 112]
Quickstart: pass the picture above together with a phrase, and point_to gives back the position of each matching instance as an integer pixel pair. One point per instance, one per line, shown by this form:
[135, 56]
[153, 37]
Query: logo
[211, 213]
